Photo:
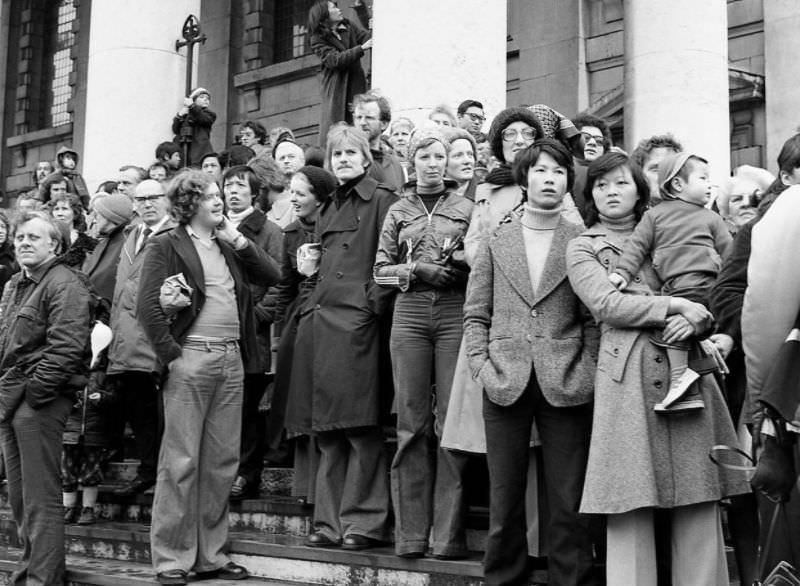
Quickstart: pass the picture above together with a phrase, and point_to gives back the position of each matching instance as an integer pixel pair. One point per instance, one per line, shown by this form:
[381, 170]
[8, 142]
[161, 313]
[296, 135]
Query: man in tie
[132, 360]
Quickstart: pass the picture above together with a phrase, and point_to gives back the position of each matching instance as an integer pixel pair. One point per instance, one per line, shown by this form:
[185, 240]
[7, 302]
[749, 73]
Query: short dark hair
[585, 119]
[208, 155]
[383, 104]
[166, 149]
[107, 187]
[605, 164]
[528, 157]
[185, 191]
[789, 157]
[315, 156]
[246, 173]
[155, 164]
[648, 145]
[258, 129]
[466, 105]
[56, 177]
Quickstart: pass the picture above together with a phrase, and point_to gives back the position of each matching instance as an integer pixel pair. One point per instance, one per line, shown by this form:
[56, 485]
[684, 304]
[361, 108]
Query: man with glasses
[471, 118]
[595, 140]
[132, 360]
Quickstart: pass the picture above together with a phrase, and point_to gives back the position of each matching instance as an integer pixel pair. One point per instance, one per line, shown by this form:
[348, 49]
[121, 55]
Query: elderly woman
[339, 44]
[532, 346]
[740, 195]
[639, 461]
[420, 252]
[67, 210]
[443, 115]
[338, 353]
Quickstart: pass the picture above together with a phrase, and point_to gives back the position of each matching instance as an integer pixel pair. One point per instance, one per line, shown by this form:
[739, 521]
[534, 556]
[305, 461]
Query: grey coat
[509, 328]
[130, 348]
[639, 458]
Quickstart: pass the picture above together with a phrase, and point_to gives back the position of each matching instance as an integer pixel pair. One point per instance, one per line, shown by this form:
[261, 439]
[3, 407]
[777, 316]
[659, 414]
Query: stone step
[276, 557]
[82, 571]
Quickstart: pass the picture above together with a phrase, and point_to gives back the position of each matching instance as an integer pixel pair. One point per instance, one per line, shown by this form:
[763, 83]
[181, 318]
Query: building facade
[105, 77]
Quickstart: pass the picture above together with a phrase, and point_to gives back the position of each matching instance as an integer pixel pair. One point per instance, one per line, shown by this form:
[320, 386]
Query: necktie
[145, 235]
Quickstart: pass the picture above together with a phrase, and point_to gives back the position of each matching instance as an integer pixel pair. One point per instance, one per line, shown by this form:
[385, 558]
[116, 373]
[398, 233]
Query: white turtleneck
[538, 226]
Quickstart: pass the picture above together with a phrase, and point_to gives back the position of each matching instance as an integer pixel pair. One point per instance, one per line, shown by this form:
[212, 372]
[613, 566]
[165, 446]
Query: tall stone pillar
[782, 69]
[135, 82]
[676, 76]
[429, 53]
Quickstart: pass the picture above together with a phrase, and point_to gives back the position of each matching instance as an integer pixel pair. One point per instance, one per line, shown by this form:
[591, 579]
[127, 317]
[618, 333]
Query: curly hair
[78, 217]
[648, 145]
[49, 181]
[185, 192]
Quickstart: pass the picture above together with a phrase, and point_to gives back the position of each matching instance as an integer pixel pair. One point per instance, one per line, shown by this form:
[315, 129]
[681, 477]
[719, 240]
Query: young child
[687, 244]
[192, 126]
[67, 164]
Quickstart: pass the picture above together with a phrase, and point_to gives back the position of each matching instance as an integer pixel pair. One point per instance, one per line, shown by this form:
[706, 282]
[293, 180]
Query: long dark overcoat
[341, 76]
[338, 348]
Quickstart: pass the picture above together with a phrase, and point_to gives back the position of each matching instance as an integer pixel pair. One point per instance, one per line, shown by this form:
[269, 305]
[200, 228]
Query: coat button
[529, 338]
[637, 279]
[657, 384]
[659, 359]
[616, 351]
[534, 313]
[317, 306]
[339, 275]
[345, 245]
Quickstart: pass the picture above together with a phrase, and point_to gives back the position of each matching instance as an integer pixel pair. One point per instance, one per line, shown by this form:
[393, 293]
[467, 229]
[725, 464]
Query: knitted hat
[322, 182]
[422, 133]
[668, 168]
[554, 125]
[116, 208]
[197, 92]
[503, 120]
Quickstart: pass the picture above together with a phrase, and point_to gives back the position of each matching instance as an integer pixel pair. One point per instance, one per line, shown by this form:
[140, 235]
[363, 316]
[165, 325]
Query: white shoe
[679, 387]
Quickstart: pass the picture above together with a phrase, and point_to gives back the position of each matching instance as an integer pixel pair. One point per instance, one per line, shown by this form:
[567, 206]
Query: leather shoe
[318, 539]
[135, 486]
[357, 542]
[229, 571]
[175, 577]
[242, 489]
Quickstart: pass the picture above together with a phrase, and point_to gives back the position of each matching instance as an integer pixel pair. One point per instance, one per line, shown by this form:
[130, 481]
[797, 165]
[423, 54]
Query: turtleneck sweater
[237, 218]
[538, 226]
[621, 226]
[430, 194]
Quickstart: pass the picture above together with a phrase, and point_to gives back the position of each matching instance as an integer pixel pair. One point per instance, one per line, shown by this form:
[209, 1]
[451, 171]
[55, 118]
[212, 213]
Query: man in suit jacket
[132, 362]
[533, 347]
[207, 348]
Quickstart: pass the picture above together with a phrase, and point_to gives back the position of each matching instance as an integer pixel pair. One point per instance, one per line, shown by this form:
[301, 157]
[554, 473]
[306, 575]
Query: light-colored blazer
[510, 329]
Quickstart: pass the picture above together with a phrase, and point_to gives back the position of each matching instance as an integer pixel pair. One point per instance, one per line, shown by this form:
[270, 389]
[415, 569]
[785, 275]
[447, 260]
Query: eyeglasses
[144, 198]
[509, 134]
[475, 117]
[587, 136]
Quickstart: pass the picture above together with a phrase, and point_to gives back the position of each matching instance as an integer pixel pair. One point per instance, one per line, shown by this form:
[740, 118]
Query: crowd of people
[409, 298]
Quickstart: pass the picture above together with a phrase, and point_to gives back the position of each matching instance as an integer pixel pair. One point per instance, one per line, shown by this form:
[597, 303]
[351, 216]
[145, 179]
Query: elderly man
[207, 346]
[132, 360]
[46, 314]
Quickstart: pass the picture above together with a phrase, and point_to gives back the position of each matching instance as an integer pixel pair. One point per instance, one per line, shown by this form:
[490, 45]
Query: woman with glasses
[339, 44]
[513, 129]
[594, 141]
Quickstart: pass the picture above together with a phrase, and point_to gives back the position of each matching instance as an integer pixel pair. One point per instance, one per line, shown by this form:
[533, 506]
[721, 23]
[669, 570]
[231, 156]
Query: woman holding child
[640, 460]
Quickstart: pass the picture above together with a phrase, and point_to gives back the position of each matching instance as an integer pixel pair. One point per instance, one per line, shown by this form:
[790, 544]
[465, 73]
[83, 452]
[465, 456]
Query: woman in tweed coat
[638, 459]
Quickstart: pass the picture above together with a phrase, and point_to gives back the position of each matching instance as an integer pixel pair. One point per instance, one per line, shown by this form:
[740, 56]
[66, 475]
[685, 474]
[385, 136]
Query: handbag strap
[761, 557]
[719, 448]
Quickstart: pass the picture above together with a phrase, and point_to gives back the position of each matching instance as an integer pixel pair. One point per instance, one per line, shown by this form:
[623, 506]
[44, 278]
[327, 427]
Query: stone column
[782, 68]
[444, 52]
[676, 76]
[135, 82]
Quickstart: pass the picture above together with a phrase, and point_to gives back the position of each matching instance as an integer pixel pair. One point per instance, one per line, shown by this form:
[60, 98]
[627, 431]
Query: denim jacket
[411, 234]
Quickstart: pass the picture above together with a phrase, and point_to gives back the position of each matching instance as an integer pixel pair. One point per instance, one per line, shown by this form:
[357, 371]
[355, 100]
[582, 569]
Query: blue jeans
[32, 450]
[427, 483]
[199, 458]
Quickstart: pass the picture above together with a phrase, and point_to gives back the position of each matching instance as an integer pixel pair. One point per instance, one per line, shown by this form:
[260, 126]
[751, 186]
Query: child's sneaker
[684, 395]
[87, 516]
